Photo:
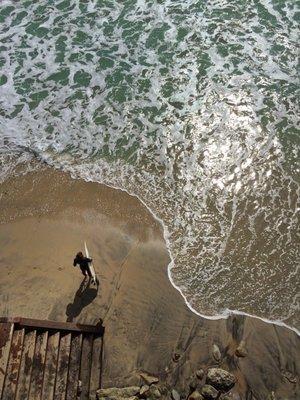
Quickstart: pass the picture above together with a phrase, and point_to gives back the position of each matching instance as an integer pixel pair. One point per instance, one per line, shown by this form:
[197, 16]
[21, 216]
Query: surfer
[83, 264]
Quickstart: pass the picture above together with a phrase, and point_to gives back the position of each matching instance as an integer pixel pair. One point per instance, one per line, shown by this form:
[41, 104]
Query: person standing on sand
[83, 263]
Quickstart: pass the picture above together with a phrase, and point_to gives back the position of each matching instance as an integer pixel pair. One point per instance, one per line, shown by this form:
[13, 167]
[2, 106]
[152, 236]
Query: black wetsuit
[83, 264]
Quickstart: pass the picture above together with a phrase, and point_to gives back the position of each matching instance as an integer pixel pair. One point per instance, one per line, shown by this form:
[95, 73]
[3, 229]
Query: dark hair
[79, 255]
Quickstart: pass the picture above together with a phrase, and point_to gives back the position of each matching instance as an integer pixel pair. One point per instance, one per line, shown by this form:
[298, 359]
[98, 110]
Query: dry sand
[45, 218]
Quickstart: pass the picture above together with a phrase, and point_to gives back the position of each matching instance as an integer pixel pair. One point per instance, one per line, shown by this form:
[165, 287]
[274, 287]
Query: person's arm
[75, 262]
[89, 259]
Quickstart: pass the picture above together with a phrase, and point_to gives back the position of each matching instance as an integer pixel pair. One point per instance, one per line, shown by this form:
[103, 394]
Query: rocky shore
[154, 346]
[215, 383]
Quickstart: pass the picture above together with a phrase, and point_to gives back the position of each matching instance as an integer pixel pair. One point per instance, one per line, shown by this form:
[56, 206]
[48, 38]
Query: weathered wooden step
[6, 332]
[62, 367]
[12, 369]
[74, 366]
[45, 360]
[38, 364]
[26, 365]
[51, 365]
[95, 379]
[86, 365]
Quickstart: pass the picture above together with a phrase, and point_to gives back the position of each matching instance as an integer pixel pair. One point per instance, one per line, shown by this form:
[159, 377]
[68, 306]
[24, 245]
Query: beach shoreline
[226, 312]
[46, 216]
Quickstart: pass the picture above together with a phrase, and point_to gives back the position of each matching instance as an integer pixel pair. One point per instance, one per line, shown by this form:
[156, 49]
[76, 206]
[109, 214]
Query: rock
[79, 388]
[193, 384]
[289, 376]
[200, 373]
[175, 395]
[118, 398]
[220, 379]
[209, 392]
[144, 391]
[155, 393]
[149, 379]
[216, 353]
[163, 390]
[115, 393]
[195, 396]
[241, 350]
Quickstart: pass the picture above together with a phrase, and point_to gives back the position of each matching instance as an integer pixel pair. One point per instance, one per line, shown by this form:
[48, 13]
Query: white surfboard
[91, 267]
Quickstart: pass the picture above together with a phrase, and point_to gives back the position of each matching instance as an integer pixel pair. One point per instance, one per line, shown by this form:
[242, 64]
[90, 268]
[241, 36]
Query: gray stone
[163, 390]
[144, 390]
[116, 393]
[241, 350]
[209, 392]
[195, 396]
[149, 379]
[220, 379]
[175, 395]
[176, 357]
[155, 392]
[216, 353]
[289, 376]
[200, 373]
[79, 388]
[193, 384]
[118, 398]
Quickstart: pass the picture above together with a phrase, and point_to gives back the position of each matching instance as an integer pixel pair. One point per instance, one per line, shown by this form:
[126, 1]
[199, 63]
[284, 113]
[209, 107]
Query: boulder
[163, 390]
[209, 392]
[220, 379]
[241, 350]
[175, 395]
[149, 379]
[289, 376]
[116, 393]
[144, 391]
[200, 373]
[216, 353]
[155, 392]
[193, 384]
[176, 357]
[195, 396]
[117, 398]
[79, 388]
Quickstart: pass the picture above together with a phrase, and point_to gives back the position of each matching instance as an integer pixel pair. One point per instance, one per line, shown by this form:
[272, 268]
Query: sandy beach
[45, 218]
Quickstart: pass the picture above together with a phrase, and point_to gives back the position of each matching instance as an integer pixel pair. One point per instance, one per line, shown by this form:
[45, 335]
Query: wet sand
[45, 218]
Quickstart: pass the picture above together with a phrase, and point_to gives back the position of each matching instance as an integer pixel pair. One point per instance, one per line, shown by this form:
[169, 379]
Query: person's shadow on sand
[83, 297]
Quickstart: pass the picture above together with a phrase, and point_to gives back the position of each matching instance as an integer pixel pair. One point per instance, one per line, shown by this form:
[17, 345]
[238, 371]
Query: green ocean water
[190, 105]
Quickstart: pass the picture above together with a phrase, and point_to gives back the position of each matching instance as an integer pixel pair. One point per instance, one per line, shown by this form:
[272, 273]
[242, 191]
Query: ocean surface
[193, 106]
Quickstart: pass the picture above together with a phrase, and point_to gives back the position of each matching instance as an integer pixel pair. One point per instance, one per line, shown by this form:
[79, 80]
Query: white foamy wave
[190, 106]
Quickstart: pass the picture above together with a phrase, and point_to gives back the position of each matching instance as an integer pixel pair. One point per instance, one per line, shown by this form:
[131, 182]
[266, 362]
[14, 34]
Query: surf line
[81, 174]
[166, 235]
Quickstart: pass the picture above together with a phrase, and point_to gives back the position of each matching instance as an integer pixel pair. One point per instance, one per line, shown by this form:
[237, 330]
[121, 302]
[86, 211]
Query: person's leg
[83, 270]
[89, 272]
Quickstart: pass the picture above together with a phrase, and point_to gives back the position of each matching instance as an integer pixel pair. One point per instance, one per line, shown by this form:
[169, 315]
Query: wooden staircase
[47, 360]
